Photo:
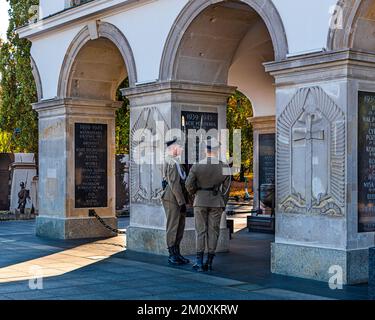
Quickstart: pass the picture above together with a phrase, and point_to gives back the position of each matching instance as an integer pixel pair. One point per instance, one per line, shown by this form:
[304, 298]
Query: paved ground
[236, 206]
[103, 269]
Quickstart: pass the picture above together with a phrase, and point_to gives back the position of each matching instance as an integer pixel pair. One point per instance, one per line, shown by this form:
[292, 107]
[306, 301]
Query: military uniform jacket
[208, 176]
[172, 173]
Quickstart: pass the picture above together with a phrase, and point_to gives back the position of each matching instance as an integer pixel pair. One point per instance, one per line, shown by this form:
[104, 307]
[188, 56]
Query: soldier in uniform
[23, 195]
[210, 186]
[174, 202]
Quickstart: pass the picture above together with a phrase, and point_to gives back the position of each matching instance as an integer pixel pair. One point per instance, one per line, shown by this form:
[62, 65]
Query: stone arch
[340, 38]
[38, 81]
[358, 27]
[264, 8]
[104, 30]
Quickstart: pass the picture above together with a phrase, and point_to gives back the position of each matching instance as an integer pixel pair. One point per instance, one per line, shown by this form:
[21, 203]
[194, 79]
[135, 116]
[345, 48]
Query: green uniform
[172, 199]
[210, 187]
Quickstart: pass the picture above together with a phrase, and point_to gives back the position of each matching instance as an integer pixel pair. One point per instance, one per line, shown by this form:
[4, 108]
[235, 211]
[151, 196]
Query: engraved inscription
[91, 176]
[191, 120]
[366, 162]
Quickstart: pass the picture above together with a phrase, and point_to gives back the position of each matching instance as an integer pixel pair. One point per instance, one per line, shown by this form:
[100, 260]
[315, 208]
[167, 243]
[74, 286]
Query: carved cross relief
[309, 134]
[306, 153]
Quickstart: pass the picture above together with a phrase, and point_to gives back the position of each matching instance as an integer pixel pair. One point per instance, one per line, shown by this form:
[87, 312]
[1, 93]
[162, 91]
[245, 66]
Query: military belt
[206, 189]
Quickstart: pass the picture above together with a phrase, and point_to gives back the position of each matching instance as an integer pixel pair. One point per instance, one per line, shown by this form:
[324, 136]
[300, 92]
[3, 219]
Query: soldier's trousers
[207, 228]
[175, 223]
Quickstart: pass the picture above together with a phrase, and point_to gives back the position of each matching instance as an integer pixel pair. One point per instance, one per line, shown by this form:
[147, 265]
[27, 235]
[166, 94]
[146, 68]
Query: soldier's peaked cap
[212, 144]
[171, 142]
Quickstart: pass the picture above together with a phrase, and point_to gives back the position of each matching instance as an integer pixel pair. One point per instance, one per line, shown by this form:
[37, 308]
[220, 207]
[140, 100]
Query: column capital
[264, 124]
[177, 91]
[315, 67]
[76, 106]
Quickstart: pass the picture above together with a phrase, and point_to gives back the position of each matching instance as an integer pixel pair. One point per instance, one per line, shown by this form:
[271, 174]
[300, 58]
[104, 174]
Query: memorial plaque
[191, 120]
[197, 120]
[91, 168]
[122, 181]
[266, 159]
[366, 162]
[267, 170]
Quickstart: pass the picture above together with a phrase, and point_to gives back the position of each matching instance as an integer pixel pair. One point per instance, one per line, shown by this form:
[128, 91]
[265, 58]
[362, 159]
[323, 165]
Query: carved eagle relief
[311, 155]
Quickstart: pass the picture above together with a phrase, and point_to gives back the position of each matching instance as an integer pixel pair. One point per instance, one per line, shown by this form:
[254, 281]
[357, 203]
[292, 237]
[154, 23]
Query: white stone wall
[247, 71]
[147, 25]
[49, 53]
[306, 23]
[49, 7]
[147, 28]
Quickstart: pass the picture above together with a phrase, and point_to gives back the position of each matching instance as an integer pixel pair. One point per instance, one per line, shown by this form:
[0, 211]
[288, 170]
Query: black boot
[173, 258]
[208, 264]
[198, 266]
[178, 254]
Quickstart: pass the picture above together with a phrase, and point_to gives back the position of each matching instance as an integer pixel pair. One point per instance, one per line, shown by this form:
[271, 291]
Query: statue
[23, 196]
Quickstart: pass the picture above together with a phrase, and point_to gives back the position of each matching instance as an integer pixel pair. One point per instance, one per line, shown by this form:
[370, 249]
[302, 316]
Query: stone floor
[104, 270]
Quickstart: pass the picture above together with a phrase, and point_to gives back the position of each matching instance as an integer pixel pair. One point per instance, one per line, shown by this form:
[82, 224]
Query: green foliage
[5, 139]
[17, 82]
[123, 122]
[239, 110]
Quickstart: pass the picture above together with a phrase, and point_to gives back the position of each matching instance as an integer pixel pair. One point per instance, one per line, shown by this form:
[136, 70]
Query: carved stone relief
[311, 155]
[146, 177]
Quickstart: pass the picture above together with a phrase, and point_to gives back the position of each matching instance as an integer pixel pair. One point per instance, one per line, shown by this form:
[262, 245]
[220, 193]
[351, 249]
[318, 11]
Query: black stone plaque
[91, 168]
[191, 120]
[366, 162]
[122, 184]
[266, 159]
[267, 170]
[199, 120]
[196, 121]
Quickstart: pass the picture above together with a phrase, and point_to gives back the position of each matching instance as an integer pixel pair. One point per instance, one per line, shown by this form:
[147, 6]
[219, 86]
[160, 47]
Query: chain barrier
[92, 213]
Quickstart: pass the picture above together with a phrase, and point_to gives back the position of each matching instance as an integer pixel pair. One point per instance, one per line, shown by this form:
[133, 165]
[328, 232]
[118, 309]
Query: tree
[239, 110]
[122, 121]
[17, 82]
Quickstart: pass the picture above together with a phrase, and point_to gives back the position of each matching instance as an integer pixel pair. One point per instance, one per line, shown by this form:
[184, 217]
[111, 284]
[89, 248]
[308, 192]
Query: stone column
[59, 216]
[164, 102]
[261, 125]
[317, 235]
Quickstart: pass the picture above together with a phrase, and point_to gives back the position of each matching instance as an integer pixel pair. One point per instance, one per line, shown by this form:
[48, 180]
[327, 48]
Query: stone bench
[261, 224]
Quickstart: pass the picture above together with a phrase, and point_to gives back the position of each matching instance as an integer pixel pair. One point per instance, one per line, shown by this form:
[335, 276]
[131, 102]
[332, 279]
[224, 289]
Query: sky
[4, 6]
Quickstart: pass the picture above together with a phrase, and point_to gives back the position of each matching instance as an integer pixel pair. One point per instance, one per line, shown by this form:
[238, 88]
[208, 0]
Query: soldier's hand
[183, 208]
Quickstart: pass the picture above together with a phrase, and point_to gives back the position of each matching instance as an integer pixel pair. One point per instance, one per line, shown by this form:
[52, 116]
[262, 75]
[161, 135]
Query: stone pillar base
[154, 241]
[73, 228]
[315, 263]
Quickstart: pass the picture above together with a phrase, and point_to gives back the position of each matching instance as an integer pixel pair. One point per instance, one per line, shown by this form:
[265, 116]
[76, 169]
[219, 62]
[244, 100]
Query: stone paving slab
[289, 295]
[249, 287]
[213, 280]
[99, 270]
